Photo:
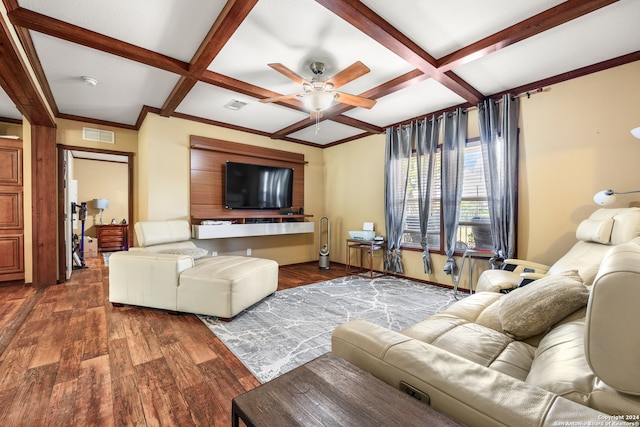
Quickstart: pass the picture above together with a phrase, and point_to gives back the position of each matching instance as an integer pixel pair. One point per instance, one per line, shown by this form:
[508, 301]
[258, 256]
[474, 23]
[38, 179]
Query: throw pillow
[534, 308]
[196, 253]
[593, 230]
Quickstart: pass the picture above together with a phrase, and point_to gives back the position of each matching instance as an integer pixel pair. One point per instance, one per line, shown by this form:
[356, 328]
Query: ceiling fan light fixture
[318, 100]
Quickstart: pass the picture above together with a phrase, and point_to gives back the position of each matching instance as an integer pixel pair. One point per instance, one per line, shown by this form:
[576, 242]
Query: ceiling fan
[320, 92]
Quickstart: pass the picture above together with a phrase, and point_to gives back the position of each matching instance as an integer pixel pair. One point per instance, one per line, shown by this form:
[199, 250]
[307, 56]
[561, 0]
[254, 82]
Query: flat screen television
[249, 186]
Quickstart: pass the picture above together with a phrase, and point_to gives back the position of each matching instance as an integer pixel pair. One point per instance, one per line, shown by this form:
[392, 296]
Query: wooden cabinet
[112, 237]
[11, 214]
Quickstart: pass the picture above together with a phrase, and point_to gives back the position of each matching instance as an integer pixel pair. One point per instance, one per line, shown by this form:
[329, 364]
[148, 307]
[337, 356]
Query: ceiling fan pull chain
[317, 123]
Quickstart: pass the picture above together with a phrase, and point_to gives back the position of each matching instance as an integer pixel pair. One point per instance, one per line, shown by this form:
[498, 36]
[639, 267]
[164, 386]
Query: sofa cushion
[195, 253]
[560, 365]
[534, 308]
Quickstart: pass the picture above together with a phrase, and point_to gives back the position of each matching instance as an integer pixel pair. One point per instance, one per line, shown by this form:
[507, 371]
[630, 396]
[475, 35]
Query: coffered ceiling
[190, 59]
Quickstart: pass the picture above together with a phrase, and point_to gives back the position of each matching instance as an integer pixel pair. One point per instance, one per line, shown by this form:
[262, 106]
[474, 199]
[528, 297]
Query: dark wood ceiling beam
[229, 83]
[232, 15]
[371, 24]
[334, 116]
[15, 79]
[72, 33]
[358, 124]
[30, 52]
[558, 15]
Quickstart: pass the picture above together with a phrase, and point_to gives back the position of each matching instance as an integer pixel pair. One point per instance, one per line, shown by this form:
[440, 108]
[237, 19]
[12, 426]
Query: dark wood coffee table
[329, 391]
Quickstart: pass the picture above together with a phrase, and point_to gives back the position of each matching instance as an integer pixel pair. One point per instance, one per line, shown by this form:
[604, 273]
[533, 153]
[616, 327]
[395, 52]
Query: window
[473, 230]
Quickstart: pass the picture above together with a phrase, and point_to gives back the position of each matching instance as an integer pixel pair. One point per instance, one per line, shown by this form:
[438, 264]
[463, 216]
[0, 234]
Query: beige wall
[11, 129]
[102, 180]
[354, 191]
[574, 142]
[163, 178]
[69, 133]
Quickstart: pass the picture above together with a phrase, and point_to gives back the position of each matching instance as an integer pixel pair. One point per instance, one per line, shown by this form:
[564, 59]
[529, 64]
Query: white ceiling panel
[442, 27]
[172, 27]
[209, 102]
[327, 131]
[408, 103]
[296, 33]
[124, 86]
[601, 35]
[8, 109]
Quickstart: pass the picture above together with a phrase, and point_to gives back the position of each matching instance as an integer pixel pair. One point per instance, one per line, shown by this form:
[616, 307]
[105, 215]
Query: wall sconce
[636, 132]
[607, 197]
[101, 204]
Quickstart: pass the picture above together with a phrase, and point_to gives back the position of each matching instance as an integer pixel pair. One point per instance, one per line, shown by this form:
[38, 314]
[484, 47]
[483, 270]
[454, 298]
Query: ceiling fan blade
[355, 100]
[279, 98]
[288, 73]
[352, 72]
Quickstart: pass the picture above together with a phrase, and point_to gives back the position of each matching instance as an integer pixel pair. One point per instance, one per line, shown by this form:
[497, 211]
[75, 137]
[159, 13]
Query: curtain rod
[527, 93]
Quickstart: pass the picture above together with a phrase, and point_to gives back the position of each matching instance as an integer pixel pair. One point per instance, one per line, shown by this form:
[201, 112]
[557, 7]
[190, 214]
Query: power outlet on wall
[248, 251]
[214, 253]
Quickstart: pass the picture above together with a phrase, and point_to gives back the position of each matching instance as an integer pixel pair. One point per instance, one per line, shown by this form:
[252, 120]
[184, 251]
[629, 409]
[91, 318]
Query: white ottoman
[223, 286]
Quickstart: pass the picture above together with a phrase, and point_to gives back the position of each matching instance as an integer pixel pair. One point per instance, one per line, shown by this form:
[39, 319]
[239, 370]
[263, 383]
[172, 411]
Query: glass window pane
[473, 230]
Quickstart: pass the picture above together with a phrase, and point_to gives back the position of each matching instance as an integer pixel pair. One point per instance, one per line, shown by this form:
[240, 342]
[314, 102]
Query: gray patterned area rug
[294, 326]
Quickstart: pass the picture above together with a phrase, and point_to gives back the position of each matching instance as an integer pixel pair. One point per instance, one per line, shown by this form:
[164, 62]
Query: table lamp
[101, 204]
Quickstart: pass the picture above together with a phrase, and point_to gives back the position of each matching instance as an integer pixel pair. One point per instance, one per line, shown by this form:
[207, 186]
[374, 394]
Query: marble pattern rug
[294, 326]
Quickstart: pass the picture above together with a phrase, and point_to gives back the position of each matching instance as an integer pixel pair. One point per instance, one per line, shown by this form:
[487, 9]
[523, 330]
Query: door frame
[62, 259]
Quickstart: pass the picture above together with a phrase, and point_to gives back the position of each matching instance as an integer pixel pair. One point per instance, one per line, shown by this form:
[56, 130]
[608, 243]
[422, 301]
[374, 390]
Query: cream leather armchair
[604, 228]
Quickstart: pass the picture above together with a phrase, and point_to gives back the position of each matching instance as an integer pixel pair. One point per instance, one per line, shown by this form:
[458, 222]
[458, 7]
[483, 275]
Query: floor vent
[106, 136]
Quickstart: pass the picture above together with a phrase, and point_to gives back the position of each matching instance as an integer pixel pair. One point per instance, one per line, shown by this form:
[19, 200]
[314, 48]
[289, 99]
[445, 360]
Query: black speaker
[301, 211]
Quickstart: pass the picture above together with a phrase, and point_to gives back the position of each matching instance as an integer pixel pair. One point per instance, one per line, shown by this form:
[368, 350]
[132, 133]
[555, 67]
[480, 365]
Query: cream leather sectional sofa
[536, 356]
[166, 270]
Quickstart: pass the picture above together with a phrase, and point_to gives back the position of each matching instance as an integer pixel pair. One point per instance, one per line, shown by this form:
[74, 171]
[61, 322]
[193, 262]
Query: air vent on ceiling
[234, 104]
[106, 136]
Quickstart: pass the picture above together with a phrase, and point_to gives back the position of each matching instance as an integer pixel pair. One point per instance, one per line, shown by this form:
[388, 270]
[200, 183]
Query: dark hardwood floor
[68, 358]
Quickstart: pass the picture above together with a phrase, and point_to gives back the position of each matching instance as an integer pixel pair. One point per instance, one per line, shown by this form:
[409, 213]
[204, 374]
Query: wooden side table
[362, 245]
[112, 237]
[331, 391]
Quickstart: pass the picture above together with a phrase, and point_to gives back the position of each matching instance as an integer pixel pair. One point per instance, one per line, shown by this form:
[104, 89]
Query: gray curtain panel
[397, 154]
[428, 131]
[499, 138]
[454, 139]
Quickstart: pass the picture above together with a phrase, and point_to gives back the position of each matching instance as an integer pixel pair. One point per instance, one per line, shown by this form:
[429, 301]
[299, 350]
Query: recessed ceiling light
[89, 81]
[234, 104]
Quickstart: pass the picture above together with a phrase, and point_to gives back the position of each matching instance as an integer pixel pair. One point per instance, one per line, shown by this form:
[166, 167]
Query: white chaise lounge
[167, 271]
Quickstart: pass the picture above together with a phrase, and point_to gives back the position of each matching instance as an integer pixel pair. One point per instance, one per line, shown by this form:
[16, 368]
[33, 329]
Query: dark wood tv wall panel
[208, 162]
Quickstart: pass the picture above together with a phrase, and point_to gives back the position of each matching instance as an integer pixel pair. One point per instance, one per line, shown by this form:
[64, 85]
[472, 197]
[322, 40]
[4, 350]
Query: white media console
[248, 230]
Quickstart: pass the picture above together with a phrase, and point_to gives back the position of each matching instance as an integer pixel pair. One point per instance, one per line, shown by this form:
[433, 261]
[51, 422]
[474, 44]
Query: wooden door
[11, 211]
